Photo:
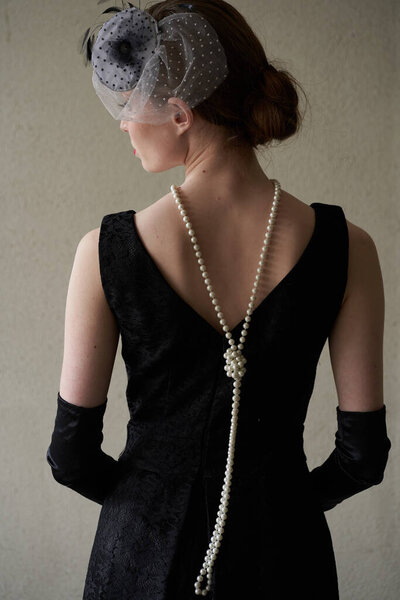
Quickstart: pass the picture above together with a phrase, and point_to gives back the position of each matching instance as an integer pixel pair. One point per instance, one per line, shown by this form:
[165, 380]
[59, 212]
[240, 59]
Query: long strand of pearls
[235, 368]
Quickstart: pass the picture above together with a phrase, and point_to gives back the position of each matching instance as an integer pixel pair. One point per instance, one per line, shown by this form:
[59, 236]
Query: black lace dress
[157, 519]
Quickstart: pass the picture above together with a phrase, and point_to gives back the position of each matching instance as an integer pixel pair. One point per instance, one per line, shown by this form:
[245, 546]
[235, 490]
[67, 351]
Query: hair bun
[274, 109]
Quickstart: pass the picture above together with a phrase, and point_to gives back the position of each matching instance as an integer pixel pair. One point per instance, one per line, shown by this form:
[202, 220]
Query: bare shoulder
[87, 254]
[364, 268]
[91, 237]
[157, 224]
[156, 210]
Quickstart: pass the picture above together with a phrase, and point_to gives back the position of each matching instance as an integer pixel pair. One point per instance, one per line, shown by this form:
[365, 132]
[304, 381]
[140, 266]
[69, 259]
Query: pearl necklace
[234, 368]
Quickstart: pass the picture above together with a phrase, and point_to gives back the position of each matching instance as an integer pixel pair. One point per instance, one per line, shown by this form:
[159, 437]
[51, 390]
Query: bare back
[230, 236]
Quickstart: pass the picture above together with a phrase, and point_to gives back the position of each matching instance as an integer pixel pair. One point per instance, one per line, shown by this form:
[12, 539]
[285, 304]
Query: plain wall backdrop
[65, 164]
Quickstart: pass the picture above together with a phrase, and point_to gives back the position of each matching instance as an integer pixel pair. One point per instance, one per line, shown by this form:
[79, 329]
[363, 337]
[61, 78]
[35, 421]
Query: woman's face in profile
[136, 133]
[157, 146]
[151, 144]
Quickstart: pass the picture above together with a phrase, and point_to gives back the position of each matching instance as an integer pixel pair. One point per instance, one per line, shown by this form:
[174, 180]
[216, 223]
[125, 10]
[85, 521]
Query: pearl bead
[235, 368]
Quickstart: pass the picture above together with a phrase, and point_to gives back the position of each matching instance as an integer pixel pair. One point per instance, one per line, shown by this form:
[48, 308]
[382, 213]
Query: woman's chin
[155, 167]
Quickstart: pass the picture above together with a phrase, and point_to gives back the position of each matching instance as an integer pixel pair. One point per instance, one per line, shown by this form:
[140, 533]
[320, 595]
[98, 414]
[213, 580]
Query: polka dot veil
[139, 63]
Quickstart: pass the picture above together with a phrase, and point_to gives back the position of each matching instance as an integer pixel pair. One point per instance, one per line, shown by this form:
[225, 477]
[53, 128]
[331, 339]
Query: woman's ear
[183, 115]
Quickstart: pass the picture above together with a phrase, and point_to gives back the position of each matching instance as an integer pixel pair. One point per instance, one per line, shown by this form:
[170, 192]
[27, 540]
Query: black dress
[156, 522]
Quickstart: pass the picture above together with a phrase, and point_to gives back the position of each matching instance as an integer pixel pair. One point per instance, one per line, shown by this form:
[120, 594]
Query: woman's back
[230, 230]
[179, 400]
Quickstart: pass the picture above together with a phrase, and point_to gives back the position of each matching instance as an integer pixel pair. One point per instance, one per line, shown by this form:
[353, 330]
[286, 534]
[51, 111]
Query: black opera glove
[75, 454]
[358, 460]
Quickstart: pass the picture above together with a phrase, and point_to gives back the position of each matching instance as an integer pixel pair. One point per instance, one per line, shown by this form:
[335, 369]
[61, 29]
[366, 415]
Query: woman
[191, 85]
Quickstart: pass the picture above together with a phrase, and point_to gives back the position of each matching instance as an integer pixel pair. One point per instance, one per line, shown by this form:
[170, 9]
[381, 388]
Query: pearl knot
[235, 362]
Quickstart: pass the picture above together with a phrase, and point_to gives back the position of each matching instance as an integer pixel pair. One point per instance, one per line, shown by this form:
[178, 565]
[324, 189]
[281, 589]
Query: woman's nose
[123, 126]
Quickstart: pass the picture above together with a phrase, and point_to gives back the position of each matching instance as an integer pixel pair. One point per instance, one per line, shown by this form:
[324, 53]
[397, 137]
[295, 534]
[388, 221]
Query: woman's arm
[356, 339]
[90, 344]
[91, 332]
[356, 351]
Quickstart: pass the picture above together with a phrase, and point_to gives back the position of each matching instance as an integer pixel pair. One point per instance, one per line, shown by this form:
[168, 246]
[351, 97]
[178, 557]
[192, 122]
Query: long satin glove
[358, 460]
[75, 454]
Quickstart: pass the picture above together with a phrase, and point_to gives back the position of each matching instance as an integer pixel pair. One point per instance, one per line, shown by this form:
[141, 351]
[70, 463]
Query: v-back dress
[156, 522]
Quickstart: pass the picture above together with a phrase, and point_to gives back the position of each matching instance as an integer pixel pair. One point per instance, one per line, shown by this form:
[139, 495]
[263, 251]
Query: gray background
[65, 164]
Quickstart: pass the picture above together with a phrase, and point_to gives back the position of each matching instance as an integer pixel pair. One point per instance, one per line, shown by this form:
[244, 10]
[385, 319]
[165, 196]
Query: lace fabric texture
[157, 518]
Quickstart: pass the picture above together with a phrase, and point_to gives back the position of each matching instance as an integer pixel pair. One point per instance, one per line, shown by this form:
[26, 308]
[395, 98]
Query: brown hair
[257, 103]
